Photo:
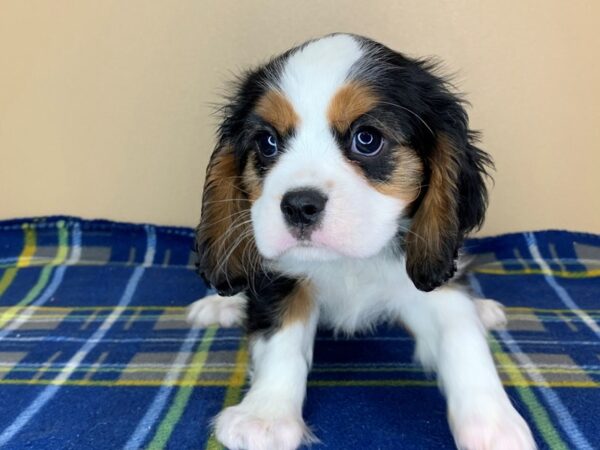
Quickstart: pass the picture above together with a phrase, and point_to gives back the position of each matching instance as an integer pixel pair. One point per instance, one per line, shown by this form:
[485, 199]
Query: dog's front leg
[270, 415]
[451, 339]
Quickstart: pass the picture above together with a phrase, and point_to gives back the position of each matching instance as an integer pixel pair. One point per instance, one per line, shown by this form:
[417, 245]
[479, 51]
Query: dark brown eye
[367, 141]
[267, 144]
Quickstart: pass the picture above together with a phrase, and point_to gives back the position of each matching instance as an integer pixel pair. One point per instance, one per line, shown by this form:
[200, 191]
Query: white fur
[491, 423]
[357, 283]
[225, 312]
[491, 313]
[270, 415]
[312, 75]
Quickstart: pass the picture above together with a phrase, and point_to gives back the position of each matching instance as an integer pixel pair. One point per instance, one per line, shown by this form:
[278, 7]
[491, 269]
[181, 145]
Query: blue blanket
[95, 352]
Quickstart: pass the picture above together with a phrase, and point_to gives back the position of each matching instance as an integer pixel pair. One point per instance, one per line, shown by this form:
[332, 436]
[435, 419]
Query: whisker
[237, 213]
[225, 259]
[231, 232]
[411, 112]
[224, 201]
[411, 232]
[223, 238]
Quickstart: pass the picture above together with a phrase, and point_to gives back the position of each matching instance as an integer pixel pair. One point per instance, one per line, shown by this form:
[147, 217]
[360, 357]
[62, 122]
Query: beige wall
[105, 105]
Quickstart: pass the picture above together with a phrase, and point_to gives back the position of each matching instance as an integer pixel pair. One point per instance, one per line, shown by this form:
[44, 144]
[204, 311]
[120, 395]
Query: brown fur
[298, 305]
[349, 103]
[277, 110]
[435, 224]
[407, 177]
[251, 179]
[227, 246]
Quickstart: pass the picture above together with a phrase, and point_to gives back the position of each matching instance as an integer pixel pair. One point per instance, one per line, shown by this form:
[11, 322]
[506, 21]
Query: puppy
[343, 184]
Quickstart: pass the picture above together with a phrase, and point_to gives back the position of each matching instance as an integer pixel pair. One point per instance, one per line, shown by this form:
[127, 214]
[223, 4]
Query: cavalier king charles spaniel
[343, 183]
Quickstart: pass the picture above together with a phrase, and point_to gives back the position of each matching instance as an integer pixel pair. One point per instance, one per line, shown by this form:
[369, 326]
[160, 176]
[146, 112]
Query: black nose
[302, 208]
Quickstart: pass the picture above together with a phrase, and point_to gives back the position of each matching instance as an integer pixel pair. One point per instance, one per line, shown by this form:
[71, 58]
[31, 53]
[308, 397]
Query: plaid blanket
[95, 352]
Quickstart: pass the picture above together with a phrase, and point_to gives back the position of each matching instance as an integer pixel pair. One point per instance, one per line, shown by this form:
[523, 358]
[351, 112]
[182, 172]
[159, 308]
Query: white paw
[493, 425]
[225, 312]
[491, 313]
[240, 428]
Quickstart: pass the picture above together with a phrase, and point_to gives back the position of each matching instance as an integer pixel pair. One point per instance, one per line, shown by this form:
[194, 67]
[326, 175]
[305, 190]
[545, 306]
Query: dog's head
[340, 148]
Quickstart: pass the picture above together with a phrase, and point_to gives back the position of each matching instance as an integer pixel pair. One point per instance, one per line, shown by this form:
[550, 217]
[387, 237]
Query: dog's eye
[367, 141]
[267, 144]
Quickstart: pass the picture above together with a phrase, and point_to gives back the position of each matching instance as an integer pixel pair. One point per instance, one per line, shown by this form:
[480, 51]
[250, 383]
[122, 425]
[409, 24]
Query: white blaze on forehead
[358, 220]
[312, 75]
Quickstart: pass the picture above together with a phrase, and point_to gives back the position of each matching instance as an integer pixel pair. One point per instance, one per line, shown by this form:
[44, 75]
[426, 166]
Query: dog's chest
[355, 295]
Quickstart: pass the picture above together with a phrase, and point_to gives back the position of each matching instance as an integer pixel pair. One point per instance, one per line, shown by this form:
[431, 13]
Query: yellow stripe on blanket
[593, 273]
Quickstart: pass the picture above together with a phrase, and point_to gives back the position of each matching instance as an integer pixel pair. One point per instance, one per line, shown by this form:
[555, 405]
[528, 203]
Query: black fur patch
[265, 298]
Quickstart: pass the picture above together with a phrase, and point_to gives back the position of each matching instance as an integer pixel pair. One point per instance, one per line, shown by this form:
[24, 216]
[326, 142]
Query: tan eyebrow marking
[276, 109]
[349, 103]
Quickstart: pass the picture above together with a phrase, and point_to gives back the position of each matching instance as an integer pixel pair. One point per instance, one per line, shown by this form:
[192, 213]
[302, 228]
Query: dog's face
[340, 148]
[336, 172]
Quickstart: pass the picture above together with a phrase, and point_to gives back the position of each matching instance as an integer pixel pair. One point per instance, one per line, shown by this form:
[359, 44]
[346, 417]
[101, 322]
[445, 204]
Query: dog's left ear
[455, 196]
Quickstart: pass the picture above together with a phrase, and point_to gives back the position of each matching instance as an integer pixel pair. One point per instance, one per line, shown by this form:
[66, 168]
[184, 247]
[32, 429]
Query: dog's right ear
[224, 240]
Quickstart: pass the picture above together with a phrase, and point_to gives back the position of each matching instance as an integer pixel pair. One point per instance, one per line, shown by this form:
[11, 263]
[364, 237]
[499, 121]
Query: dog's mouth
[303, 248]
[308, 250]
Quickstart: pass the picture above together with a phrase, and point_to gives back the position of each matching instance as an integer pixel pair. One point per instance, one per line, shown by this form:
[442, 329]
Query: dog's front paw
[240, 428]
[491, 313]
[225, 312]
[490, 424]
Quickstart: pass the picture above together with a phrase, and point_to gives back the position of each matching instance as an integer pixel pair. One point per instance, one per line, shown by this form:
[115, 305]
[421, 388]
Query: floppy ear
[454, 202]
[224, 240]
